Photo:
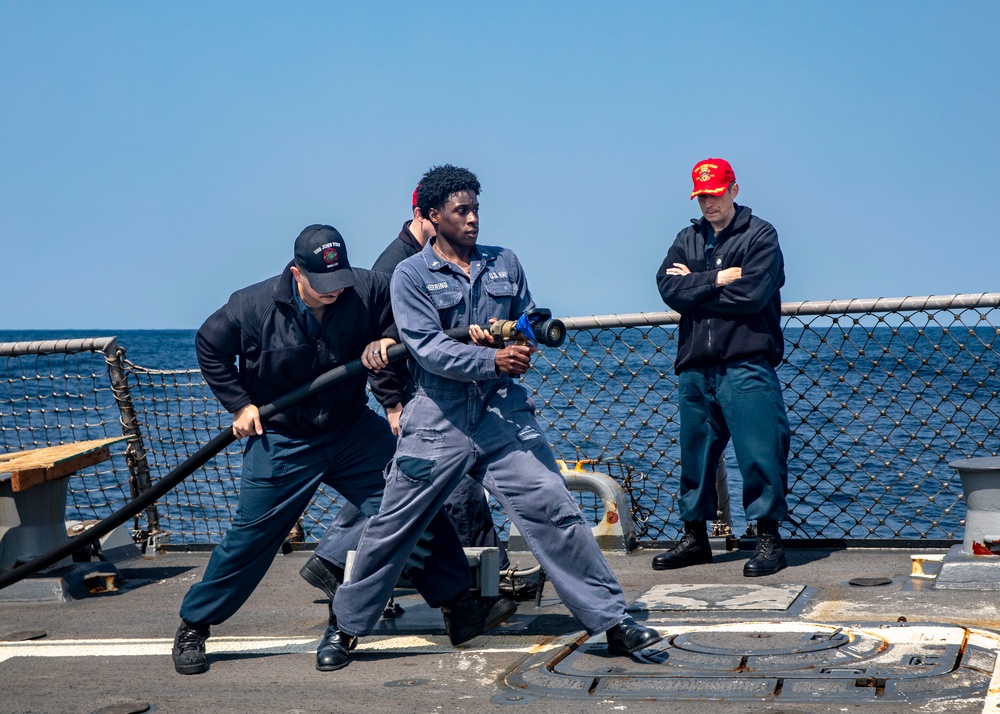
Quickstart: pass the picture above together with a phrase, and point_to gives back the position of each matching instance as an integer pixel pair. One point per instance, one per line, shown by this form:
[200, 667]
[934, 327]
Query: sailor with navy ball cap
[321, 254]
[268, 339]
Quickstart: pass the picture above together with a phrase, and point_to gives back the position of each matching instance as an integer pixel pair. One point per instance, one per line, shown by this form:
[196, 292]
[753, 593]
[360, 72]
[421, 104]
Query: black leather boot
[470, 615]
[322, 574]
[189, 648]
[628, 636]
[335, 648]
[693, 549]
[770, 555]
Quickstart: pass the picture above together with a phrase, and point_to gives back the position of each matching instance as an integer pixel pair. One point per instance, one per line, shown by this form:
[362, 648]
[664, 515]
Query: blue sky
[158, 156]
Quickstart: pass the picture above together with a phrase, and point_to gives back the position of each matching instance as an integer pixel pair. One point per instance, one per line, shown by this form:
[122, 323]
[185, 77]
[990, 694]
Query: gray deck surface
[114, 649]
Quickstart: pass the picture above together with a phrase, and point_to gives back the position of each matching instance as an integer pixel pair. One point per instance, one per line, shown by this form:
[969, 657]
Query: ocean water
[156, 349]
[876, 414]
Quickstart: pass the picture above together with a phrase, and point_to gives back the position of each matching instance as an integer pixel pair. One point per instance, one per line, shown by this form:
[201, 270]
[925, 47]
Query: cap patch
[330, 255]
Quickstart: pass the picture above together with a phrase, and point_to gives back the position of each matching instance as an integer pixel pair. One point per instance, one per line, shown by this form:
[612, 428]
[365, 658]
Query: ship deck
[803, 640]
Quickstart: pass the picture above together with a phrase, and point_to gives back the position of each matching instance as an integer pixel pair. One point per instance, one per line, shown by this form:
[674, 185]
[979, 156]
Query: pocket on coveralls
[446, 298]
[419, 468]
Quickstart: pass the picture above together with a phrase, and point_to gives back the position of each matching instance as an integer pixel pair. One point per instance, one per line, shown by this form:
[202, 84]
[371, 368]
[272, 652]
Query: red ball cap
[712, 176]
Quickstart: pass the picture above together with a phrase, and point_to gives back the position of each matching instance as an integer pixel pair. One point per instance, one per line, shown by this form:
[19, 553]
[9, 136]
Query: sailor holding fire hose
[319, 313]
[470, 415]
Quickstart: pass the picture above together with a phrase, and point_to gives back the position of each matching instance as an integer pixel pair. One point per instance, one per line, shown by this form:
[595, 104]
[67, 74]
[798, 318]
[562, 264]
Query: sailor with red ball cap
[723, 274]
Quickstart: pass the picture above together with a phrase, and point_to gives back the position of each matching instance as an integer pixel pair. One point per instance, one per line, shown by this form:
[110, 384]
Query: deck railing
[881, 395]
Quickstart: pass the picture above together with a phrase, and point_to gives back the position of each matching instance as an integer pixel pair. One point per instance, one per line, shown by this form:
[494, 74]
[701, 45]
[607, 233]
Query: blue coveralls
[333, 438]
[463, 419]
[467, 506]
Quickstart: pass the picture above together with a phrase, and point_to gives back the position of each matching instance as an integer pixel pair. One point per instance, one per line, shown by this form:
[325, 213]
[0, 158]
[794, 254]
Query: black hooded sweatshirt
[399, 250]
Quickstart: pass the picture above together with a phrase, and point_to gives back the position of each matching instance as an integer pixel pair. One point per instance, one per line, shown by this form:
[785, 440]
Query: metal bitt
[975, 565]
[981, 485]
[615, 530]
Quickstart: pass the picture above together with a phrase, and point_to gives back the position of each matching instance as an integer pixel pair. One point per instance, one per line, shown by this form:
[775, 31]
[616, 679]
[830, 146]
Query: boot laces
[765, 541]
[189, 638]
[688, 540]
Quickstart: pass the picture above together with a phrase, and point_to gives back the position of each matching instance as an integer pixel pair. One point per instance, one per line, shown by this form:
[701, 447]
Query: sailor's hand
[479, 336]
[392, 414]
[679, 269]
[376, 354]
[246, 422]
[724, 277]
[514, 360]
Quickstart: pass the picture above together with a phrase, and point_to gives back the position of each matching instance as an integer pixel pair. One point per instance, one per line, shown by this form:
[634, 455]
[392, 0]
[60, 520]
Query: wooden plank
[35, 466]
[24, 479]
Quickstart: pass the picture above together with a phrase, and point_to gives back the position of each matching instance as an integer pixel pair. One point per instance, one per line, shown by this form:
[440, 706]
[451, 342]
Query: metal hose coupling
[535, 327]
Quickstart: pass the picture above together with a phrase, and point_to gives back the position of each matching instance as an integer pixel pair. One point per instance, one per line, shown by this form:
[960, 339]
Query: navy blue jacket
[740, 320]
[257, 347]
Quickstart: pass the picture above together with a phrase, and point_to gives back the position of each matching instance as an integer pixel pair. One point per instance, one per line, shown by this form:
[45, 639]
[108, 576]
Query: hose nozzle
[535, 327]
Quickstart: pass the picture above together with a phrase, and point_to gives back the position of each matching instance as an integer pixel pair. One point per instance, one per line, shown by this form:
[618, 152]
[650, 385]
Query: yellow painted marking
[919, 561]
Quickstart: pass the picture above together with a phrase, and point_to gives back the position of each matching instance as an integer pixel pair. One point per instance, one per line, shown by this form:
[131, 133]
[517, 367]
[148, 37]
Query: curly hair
[442, 181]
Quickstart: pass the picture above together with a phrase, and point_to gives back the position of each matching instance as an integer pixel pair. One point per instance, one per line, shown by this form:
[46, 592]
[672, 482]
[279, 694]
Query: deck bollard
[981, 485]
[615, 530]
[975, 565]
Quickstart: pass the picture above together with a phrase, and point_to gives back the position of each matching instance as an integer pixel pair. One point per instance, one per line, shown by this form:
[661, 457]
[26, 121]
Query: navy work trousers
[467, 508]
[487, 429]
[280, 475]
[739, 400]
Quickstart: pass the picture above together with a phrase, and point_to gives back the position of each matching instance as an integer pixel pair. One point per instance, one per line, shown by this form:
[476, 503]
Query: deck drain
[870, 582]
[771, 661]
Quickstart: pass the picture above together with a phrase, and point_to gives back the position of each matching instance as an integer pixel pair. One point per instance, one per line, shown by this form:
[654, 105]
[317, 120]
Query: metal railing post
[135, 452]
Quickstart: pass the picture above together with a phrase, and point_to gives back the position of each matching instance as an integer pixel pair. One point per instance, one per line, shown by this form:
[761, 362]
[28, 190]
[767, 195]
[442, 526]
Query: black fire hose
[205, 454]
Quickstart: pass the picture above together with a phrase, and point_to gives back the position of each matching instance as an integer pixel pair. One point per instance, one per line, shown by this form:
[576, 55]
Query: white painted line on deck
[989, 640]
[513, 644]
[269, 645]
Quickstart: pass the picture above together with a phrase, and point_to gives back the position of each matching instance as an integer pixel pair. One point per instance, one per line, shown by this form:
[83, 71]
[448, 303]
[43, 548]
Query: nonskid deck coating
[797, 662]
[115, 647]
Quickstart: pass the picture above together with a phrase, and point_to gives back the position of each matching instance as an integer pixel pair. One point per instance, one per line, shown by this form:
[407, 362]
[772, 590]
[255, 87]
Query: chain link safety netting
[881, 395]
[59, 392]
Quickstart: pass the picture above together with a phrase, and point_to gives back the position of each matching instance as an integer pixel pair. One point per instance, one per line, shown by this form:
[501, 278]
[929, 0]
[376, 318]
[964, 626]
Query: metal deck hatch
[770, 661]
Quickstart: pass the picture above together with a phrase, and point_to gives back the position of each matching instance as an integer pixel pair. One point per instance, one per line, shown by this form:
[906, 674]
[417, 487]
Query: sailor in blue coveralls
[269, 338]
[467, 506]
[471, 415]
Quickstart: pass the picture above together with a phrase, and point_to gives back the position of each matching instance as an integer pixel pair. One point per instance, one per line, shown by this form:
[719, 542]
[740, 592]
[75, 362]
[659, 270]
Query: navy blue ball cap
[320, 253]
